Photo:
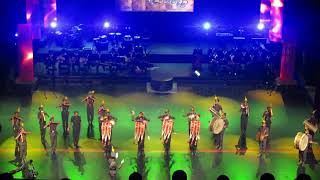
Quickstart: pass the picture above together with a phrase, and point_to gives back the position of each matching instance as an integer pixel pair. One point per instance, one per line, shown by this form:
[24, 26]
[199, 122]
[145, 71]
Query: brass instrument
[310, 126]
[212, 110]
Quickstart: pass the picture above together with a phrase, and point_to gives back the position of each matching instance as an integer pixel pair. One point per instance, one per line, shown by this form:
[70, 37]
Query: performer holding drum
[140, 128]
[167, 128]
[244, 108]
[303, 142]
[194, 134]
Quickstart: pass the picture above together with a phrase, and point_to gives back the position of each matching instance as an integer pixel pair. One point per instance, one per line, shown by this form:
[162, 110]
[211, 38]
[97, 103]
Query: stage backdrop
[157, 5]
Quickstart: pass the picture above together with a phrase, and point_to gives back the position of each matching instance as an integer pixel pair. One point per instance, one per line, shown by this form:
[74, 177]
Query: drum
[301, 141]
[216, 126]
[112, 122]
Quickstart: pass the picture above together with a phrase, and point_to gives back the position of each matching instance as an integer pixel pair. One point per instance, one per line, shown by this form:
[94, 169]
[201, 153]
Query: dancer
[53, 135]
[244, 109]
[108, 121]
[191, 115]
[65, 114]
[194, 135]
[140, 128]
[42, 122]
[76, 122]
[90, 109]
[167, 128]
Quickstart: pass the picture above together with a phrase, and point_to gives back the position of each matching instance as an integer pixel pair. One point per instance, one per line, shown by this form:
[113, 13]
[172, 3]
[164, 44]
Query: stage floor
[289, 109]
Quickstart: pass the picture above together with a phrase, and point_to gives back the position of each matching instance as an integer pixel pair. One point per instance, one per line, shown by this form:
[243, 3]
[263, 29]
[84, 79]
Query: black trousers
[53, 138]
[43, 133]
[76, 135]
[65, 118]
[219, 140]
[22, 151]
[90, 113]
[242, 142]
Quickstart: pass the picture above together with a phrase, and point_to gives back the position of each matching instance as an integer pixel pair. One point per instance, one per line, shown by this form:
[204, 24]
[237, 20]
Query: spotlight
[53, 24]
[206, 25]
[106, 24]
[197, 73]
[260, 26]
[16, 34]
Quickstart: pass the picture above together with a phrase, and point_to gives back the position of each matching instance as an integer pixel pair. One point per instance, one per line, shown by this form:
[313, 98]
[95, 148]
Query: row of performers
[217, 126]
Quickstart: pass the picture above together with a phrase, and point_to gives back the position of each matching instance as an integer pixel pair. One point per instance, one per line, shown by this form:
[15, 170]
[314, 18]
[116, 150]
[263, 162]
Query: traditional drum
[301, 141]
[216, 126]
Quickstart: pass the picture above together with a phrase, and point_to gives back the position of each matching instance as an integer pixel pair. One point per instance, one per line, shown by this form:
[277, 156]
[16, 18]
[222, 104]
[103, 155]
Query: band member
[16, 122]
[219, 137]
[90, 109]
[216, 107]
[313, 120]
[267, 116]
[65, 114]
[190, 115]
[108, 121]
[262, 137]
[22, 142]
[76, 127]
[140, 128]
[53, 134]
[244, 109]
[101, 113]
[307, 154]
[42, 122]
[194, 134]
[167, 127]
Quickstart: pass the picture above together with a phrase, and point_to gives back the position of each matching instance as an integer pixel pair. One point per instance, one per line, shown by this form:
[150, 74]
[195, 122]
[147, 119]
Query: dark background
[220, 12]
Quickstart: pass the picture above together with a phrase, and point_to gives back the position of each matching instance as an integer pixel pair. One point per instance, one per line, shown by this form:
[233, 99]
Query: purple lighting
[53, 24]
[260, 26]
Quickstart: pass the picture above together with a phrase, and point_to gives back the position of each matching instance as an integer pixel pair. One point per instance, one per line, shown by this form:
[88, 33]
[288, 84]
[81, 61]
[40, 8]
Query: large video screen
[157, 5]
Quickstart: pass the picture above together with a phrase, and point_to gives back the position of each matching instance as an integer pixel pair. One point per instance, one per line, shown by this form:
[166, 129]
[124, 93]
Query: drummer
[191, 115]
[219, 137]
[217, 107]
[307, 154]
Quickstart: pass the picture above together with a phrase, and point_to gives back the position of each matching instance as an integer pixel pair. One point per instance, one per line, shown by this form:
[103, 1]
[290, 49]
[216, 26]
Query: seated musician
[262, 137]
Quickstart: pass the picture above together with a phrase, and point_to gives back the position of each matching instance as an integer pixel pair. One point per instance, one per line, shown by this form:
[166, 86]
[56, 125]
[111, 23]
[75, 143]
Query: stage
[290, 109]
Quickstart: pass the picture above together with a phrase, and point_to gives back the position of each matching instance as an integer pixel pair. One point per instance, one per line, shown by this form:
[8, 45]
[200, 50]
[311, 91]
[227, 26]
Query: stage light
[53, 24]
[197, 73]
[16, 34]
[106, 24]
[260, 26]
[206, 25]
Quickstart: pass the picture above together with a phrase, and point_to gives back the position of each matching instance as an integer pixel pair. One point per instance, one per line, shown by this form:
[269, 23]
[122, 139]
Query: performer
[90, 109]
[22, 142]
[190, 115]
[101, 113]
[140, 128]
[53, 134]
[313, 120]
[65, 115]
[194, 134]
[108, 121]
[244, 109]
[307, 154]
[216, 108]
[76, 127]
[16, 122]
[262, 137]
[113, 167]
[267, 116]
[219, 137]
[42, 122]
[167, 128]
